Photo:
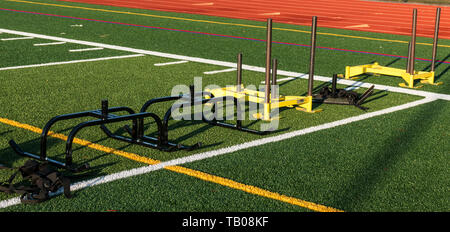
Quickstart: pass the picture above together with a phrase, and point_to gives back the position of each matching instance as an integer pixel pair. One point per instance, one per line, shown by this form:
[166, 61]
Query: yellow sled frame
[375, 68]
[301, 103]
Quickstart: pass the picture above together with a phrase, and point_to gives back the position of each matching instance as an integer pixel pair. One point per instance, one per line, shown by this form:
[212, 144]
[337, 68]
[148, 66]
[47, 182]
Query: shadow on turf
[374, 94]
[437, 77]
[5, 132]
[191, 123]
[395, 147]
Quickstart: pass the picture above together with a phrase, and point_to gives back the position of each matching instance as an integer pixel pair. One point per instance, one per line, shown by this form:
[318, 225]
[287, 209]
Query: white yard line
[86, 49]
[171, 63]
[226, 150]
[49, 44]
[220, 71]
[16, 38]
[70, 62]
[233, 65]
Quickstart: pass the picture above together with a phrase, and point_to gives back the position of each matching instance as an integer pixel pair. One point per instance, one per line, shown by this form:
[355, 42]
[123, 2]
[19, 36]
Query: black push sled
[342, 96]
[105, 116]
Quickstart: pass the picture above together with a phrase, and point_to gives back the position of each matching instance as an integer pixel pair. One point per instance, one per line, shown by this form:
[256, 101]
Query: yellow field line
[221, 23]
[252, 189]
[182, 170]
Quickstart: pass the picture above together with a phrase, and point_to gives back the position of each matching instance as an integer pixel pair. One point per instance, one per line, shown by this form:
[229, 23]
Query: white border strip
[222, 151]
[233, 65]
[71, 62]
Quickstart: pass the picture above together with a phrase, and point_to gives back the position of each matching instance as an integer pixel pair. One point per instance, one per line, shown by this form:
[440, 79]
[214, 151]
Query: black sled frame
[341, 96]
[105, 116]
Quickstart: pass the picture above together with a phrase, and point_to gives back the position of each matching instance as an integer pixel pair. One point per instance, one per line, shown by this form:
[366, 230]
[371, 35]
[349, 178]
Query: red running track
[360, 15]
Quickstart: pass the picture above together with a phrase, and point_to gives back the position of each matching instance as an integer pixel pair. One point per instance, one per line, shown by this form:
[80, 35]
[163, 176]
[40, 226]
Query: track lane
[380, 17]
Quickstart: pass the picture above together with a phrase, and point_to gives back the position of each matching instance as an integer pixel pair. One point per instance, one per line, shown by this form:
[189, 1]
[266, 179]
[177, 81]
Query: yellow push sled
[409, 75]
[268, 98]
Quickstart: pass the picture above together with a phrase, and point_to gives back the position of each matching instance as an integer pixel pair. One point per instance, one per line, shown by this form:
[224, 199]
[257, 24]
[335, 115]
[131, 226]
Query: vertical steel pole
[239, 73]
[413, 43]
[333, 85]
[104, 109]
[436, 37]
[268, 58]
[408, 61]
[274, 71]
[312, 55]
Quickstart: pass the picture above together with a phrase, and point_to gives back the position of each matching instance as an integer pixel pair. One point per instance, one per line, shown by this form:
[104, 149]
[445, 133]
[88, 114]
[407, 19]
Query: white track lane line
[49, 44]
[223, 151]
[71, 62]
[16, 38]
[233, 65]
[171, 63]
